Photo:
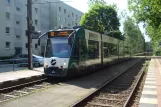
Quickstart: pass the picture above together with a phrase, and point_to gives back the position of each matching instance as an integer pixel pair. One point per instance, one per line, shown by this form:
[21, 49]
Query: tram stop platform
[151, 94]
[9, 79]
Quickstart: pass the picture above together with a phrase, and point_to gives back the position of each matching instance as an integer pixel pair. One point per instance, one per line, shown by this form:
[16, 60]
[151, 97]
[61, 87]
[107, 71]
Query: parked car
[22, 60]
[13, 59]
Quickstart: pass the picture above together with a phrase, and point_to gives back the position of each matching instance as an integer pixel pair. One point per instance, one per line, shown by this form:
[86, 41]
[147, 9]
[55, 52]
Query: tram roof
[62, 30]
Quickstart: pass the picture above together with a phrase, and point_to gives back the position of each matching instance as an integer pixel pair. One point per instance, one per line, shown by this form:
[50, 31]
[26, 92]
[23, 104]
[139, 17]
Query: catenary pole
[29, 29]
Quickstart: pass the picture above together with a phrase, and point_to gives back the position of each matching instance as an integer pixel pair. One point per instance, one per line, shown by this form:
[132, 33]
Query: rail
[96, 91]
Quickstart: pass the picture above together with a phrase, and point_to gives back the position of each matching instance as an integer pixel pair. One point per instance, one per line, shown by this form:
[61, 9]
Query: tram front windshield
[60, 47]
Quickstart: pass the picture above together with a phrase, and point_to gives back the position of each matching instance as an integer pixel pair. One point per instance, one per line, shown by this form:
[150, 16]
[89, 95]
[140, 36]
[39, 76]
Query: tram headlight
[64, 63]
[45, 65]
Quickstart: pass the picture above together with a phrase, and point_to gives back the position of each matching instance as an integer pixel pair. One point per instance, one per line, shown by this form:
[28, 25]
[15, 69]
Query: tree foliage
[102, 18]
[133, 36]
[148, 11]
[92, 2]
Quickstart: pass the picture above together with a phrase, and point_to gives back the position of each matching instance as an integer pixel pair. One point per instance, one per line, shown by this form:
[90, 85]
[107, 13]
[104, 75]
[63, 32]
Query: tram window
[93, 49]
[82, 44]
[76, 51]
[109, 50]
[48, 52]
[71, 39]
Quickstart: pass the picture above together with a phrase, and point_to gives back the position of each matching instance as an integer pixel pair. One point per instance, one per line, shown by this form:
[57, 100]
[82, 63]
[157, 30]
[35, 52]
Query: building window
[18, 9]
[18, 36]
[73, 22]
[59, 9]
[59, 18]
[8, 2]
[68, 15]
[76, 24]
[7, 15]
[36, 10]
[72, 14]
[7, 30]
[68, 24]
[18, 22]
[8, 45]
[65, 11]
[36, 22]
[35, 46]
[65, 20]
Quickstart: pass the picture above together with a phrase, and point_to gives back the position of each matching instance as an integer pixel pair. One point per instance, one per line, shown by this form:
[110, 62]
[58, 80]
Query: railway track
[25, 89]
[117, 92]
[28, 88]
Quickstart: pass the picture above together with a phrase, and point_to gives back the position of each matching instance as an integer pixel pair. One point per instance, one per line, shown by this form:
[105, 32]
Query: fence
[15, 64]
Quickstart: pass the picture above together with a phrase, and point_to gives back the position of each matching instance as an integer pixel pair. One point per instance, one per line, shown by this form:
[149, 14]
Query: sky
[82, 5]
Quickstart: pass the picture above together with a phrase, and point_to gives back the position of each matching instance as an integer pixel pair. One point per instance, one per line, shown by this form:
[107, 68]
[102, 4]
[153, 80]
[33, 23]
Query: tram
[71, 52]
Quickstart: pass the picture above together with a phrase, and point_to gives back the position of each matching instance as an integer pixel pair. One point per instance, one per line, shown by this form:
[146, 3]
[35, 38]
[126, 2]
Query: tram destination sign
[59, 33]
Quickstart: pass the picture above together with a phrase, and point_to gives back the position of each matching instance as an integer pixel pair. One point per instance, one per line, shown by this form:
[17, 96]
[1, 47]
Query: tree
[133, 36]
[92, 2]
[149, 12]
[103, 19]
[146, 11]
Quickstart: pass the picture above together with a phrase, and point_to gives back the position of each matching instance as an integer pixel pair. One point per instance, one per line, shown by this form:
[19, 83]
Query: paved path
[15, 75]
[151, 94]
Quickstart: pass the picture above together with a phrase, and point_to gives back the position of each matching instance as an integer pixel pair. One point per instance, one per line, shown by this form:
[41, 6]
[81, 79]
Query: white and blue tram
[76, 51]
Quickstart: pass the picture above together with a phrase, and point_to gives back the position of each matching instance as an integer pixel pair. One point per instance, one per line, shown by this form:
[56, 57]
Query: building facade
[45, 16]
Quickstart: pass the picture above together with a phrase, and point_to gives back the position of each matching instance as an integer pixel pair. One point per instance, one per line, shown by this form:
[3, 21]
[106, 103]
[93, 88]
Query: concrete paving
[68, 93]
[151, 94]
[9, 76]
[12, 78]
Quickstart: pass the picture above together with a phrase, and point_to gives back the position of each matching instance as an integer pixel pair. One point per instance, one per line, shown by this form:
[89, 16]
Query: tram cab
[58, 52]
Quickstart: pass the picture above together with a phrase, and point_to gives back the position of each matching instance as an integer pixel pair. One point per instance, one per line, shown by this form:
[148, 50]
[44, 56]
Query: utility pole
[29, 30]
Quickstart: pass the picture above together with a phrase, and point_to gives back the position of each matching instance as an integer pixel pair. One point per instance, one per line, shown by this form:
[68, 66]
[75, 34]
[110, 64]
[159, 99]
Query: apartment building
[63, 15]
[46, 15]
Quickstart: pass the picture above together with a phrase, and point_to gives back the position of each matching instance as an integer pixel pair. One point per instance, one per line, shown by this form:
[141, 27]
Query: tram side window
[76, 51]
[110, 50]
[82, 47]
[49, 52]
[93, 49]
[71, 40]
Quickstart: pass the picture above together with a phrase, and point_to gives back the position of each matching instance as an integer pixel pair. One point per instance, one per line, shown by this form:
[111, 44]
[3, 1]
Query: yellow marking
[149, 100]
[149, 92]
[148, 86]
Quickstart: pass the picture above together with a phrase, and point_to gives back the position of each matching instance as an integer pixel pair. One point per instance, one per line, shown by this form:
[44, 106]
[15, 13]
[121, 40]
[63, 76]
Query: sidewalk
[151, 94]
[8, 79]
